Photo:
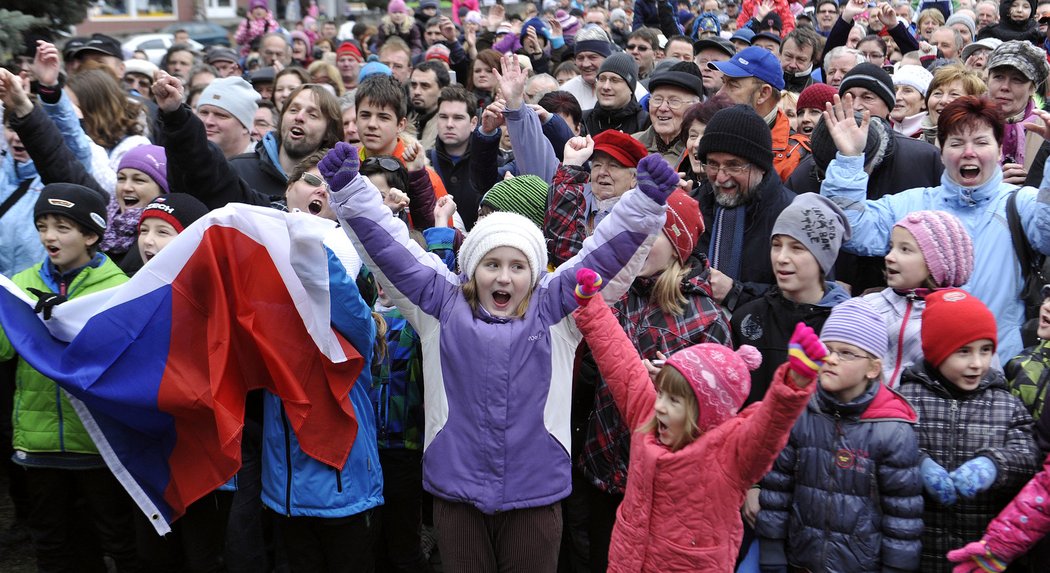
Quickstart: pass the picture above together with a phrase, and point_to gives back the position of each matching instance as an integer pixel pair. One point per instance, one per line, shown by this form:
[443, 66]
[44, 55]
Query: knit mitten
[806, 352]
[340, 165]
[588, 283]
[656, 178]
[974, 476]
[976, 558]
[937, 482]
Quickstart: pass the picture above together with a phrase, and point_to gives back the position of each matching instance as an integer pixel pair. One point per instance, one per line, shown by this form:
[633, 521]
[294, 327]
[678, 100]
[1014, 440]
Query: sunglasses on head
[385, 163]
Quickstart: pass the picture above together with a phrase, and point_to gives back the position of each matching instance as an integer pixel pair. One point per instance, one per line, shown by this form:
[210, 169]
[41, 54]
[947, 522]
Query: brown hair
[330, 72]
[109, 116]
[329, 107]
[490, 58]
[971, 82]
[970, 112]
[670, 381]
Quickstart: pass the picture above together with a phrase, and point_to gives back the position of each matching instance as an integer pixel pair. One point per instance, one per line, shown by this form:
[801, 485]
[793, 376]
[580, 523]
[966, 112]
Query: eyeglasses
[874, 55]
[385, 163]
[639, 47]
[732, 169]
[673, 103]
[313, 180]
[846, 355]
[828, 12]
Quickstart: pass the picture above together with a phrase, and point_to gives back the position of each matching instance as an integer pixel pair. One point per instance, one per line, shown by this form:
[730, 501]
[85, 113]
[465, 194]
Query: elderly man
[225, 61]
[754, 78]
[948, 41]
[709, 50]
[740, 200]
[617, 108]
[987, 14]
[274, 48]
[838, 62]
[591, 49]
[673, 91]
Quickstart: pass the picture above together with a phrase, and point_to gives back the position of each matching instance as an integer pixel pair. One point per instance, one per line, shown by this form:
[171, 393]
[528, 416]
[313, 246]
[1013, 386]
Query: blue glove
[974, 476]
[656, 178]
[340, 165]
[937, 482]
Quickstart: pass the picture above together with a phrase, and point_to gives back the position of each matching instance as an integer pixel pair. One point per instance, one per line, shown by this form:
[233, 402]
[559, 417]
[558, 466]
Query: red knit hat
[816, 96]
[952, 319]
[720, 378]
[625, 149]
[349, 49]
[684, 225]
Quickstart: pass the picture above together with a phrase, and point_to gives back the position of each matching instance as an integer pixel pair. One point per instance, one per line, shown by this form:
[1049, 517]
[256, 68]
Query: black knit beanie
[623, 65]
[179, 210]
[740, 131]
[872, 78]
[76, 202]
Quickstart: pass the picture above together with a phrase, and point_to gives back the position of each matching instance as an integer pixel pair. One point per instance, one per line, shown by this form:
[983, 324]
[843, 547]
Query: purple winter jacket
[497, 391]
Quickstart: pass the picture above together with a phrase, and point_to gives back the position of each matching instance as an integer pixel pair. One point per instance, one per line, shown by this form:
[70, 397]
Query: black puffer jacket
[1007, 29]
[845, 494]
[955, 427]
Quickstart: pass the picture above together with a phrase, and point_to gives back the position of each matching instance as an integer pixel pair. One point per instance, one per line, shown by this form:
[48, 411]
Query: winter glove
[805, 352]
[976, 558]
[937, 482]
[974, 476]
[46, 301]
[656, 178]
[588, 283]
[340, 165]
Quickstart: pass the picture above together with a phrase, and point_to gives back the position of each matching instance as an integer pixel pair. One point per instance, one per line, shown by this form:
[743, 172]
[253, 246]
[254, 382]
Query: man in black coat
[740, 201]
[616, 107]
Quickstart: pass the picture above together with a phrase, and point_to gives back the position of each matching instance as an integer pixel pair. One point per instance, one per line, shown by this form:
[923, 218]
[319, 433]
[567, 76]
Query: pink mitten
[976, 558]
[588, 283]
[805, 351]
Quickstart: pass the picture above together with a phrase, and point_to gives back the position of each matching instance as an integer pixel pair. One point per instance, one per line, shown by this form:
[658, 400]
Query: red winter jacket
[681, 510]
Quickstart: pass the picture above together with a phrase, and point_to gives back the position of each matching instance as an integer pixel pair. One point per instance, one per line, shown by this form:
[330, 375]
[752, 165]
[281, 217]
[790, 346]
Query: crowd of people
[666, 286]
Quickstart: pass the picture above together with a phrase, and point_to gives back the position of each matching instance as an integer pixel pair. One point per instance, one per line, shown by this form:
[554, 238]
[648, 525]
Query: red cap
[952, 319]
[684, 224]
[625, 149]
[348, 48]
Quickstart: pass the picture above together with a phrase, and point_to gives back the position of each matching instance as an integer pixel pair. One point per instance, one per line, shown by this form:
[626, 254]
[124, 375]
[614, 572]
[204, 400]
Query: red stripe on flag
[235, 328]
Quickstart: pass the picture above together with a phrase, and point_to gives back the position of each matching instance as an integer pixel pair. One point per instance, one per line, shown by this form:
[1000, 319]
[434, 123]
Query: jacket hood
[878, 402]
[833, 294]
[1005, 20]
[969, 197]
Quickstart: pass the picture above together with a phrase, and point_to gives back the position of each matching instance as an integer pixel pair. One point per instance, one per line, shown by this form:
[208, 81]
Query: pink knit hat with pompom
[720, 377]
[945, 244]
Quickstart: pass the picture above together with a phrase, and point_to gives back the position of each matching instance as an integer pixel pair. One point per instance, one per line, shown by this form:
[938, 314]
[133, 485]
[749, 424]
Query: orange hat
[349, 49]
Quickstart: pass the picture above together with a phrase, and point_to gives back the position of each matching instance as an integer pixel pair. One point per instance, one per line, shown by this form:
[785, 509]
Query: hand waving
[511, 81]
[849, 137]
[806, 354]
[46, 64]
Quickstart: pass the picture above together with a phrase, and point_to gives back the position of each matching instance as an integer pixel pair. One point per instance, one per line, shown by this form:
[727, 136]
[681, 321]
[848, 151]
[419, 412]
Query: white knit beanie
[914, 76]
[504, 229]
[234, 95]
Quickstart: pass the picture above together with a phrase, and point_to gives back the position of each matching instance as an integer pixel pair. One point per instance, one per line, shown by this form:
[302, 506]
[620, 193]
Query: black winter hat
[684, 75]
[76, 202]
[870, 77]
[177, 209]
[740, 131]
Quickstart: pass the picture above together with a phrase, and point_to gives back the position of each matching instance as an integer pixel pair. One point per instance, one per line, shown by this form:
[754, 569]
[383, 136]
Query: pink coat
[747, 11]
[1026, 520]
[681, 510]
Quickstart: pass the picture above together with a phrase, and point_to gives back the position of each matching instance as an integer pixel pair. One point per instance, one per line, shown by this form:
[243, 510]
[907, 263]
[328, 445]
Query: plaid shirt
[606, 448]
[953, 429]
[566, 226]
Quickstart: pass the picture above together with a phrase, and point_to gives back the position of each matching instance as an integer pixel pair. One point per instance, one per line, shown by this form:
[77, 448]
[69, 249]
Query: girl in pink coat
[692, 458]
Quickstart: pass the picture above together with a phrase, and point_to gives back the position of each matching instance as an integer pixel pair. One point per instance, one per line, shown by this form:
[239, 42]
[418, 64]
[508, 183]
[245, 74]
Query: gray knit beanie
[234, 95]
[817, 223]
[623, 65]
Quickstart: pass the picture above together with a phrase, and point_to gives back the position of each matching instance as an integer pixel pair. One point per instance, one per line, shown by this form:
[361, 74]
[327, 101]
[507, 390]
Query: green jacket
[1027, 375]
[43, 418]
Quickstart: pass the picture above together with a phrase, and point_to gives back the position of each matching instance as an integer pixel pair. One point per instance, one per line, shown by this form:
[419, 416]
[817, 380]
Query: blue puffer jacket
[296, 485]
[846, 492]
[996, 278]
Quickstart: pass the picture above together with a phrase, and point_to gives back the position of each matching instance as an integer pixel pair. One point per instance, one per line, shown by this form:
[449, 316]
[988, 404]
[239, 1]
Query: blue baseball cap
[753, 62]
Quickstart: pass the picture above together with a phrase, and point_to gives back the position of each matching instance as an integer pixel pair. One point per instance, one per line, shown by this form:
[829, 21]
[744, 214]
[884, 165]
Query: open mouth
[315, 206]
[296, 132]
[130, 200]
[147, 255]
[52, 250]
[501, 298]
[969, 172]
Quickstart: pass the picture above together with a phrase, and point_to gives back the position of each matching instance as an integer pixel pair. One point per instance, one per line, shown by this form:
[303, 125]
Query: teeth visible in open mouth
[315, 206]
[296, 131]
[969, 171]
[130, 200]
[501, 297]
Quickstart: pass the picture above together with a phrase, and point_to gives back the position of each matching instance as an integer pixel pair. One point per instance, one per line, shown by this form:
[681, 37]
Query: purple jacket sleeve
[533, 154]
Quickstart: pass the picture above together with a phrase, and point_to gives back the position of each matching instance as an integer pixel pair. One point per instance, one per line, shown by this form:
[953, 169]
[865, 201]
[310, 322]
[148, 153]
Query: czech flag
[158, 368]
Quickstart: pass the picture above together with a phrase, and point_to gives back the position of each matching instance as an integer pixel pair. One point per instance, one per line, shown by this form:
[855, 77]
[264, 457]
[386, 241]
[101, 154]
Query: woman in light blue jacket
[970, 131]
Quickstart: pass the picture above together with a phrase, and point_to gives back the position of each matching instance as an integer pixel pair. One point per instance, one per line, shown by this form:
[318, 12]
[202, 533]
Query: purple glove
[656, 178]
[340, 165]
[806, 352]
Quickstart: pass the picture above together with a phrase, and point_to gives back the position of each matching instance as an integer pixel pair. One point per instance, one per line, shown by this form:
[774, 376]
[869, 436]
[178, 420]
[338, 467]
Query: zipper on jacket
[61, 420]
[339, 479]
[900, 344]
[288, 465]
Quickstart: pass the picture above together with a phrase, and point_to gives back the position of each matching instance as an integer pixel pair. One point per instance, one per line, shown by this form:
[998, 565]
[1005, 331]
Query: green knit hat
[525, 195]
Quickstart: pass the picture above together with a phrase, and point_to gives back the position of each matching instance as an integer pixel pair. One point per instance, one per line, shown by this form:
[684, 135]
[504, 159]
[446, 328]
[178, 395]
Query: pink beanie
[396, 6]
[720, 378]
[945, 244]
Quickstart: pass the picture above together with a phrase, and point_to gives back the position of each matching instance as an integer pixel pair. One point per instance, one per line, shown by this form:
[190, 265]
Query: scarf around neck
[1013, 136]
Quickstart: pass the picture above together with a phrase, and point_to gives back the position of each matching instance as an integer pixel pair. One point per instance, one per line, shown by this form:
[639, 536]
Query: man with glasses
[644, 46]
[712, 50]
[617, 107]
[827, 13]
[740, 201]
[753, 77]
[673, 91]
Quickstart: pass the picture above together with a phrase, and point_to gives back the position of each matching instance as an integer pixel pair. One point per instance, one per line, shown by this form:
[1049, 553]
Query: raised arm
[532, 152]
[420, 188]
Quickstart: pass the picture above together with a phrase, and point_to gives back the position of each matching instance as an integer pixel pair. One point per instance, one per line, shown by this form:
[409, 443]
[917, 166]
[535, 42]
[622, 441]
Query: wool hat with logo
[952, 319]
[81, 204]
[179, 210]
[816, 222]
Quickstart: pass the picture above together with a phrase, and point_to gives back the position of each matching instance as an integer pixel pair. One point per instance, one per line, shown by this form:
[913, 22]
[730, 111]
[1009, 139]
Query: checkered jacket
[565, 226]
[1027, 375]
[955, 428]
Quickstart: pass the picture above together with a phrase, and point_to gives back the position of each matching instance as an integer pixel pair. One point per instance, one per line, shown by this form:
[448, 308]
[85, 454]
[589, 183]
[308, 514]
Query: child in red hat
[975, 438]
[692, 458]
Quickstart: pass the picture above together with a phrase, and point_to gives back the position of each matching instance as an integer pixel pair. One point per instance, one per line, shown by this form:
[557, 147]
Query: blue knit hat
[856, 322]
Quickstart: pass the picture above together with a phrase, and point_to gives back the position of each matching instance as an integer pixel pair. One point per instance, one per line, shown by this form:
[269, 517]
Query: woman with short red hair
[970, 131]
